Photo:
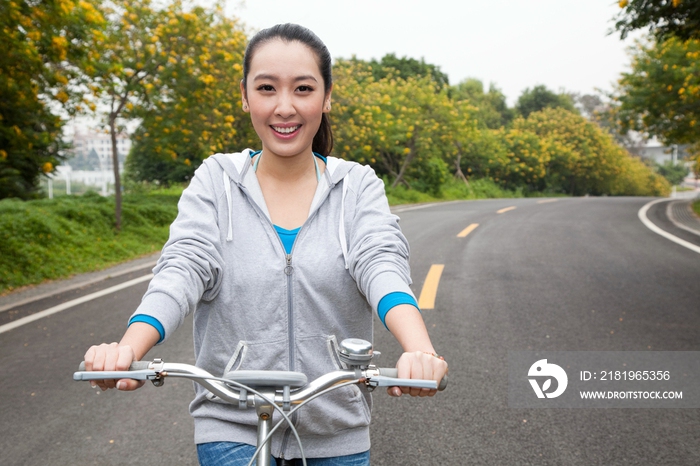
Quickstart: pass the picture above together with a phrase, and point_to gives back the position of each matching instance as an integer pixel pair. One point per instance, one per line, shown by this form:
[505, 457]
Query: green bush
[451, 190]
[673, 173]
[53, 238]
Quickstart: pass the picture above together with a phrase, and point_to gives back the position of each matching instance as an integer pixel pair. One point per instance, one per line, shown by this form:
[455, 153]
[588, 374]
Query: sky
[514, 44]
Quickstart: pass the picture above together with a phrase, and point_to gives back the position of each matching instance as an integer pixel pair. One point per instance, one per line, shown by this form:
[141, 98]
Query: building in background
[92, 150]
[662, 154]
[89, 163]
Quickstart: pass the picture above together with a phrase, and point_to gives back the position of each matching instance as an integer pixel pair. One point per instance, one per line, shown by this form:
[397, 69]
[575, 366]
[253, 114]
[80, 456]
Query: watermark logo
[542, 370]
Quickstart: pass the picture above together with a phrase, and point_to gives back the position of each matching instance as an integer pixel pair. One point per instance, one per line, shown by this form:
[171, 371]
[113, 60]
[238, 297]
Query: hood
[236, 168]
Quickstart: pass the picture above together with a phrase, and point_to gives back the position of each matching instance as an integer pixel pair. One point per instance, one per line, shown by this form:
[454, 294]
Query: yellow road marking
[547, 200]
[506, 209]
[467, 230]
[429, 291]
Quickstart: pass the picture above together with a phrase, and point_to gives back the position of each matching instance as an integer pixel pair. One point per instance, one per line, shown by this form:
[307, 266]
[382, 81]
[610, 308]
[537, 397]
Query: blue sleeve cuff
[392, 300]
[152, 321]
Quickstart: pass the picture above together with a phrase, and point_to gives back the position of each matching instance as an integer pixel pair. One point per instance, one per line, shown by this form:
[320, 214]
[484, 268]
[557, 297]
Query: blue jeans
[239, 454]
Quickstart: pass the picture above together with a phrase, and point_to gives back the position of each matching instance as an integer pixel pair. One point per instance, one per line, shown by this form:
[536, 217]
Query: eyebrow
[271, 77]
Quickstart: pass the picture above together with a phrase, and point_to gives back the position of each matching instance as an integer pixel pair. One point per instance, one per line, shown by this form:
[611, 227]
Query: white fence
[101, 179]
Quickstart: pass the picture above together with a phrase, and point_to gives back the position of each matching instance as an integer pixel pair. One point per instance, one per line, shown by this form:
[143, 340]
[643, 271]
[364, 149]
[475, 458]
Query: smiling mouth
[288, 130]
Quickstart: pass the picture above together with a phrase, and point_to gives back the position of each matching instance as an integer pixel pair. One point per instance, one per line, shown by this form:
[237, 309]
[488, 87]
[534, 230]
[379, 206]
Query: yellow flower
[623, 3]
[62, 97]
[47, 167]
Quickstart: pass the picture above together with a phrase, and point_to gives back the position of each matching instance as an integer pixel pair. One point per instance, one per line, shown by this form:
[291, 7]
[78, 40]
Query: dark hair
[323, 140]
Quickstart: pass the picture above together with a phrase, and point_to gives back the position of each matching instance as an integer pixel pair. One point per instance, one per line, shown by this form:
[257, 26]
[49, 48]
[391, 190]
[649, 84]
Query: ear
[244, 98]
[327, 100]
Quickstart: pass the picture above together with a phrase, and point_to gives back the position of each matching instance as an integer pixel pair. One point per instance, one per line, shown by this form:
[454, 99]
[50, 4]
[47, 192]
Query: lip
[284, 126]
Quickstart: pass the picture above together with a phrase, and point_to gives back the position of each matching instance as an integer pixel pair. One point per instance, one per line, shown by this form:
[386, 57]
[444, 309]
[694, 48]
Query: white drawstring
[227, 188]
[341, 229]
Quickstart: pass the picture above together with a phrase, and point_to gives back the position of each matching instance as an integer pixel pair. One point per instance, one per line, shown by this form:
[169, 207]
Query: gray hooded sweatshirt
[256, 307]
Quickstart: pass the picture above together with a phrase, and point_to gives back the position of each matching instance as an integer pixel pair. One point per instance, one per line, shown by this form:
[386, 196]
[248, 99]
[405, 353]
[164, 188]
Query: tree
[392, 66]
[194, 108]
[524, 161]
[540, 98]
[664, 18]
[599, 109]
[492, 109]
[157, 65]
[583, 159]
[661, 94]
[402, 127]
[43, 45]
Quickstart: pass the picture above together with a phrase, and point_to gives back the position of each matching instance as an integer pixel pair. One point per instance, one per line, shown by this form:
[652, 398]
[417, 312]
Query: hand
[418, 365]
[111, 357]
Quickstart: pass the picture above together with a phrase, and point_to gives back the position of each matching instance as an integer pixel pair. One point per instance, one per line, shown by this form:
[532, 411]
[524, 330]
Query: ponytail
[323, 141]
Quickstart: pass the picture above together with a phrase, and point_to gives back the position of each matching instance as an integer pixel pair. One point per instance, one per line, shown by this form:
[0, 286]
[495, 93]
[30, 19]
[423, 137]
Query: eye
[305, 88]
[266, 88]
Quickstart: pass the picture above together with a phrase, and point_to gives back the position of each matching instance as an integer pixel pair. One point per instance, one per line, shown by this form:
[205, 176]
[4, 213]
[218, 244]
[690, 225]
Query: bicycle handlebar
[156, 370]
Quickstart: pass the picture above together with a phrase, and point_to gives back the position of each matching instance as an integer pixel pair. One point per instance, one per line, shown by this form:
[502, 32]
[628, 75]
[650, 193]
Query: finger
[125, 356]
[124, 359]
[111, 356]
[129, 384]
[403, 367]
[98, 360]
[418, 371]
[98, 363]
[89, 358]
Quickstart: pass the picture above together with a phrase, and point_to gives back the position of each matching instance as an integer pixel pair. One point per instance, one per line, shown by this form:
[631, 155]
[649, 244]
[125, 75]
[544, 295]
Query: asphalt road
[574, 274]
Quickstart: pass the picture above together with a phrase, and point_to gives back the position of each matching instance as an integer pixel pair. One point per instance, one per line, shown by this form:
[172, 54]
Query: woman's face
[285, 96]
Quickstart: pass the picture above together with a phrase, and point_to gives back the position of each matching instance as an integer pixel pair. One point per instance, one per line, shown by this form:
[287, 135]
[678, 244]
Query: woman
[279, 254]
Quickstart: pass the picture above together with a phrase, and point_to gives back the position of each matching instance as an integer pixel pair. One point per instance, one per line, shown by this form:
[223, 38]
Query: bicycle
[270, 391]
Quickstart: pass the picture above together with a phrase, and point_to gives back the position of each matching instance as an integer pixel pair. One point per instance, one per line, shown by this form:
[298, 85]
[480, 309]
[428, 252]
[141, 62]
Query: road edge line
[92, 281]
[642, 214]
[67, 305]
[672, 218]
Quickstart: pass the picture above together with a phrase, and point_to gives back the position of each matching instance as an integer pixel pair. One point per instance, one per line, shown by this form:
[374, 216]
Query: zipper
[288, 271]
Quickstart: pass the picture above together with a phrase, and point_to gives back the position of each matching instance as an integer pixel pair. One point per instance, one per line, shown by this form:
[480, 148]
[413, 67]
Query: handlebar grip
[394, 373]
[135, 366]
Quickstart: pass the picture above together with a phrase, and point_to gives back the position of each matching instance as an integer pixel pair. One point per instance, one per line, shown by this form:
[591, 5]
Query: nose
[285, 105]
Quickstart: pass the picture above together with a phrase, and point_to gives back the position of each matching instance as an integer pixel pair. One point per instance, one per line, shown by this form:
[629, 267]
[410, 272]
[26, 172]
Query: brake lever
[145, 374]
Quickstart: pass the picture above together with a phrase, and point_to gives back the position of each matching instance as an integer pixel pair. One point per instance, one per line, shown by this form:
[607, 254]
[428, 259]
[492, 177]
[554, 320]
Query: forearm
[405, 322]
[141, 337]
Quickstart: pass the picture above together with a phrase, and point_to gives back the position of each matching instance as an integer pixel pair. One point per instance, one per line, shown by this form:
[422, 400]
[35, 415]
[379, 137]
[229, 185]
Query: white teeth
[291, 129]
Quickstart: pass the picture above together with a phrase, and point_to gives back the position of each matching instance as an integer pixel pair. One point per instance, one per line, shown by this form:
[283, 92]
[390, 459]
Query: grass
[696, 207]
[455, 190]
[55, 238]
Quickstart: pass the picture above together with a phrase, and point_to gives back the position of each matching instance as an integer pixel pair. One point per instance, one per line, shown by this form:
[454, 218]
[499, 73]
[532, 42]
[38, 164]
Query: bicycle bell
[356, 352]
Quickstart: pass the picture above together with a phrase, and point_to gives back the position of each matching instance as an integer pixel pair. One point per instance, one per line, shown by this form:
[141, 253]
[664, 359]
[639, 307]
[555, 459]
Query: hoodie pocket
[344, 408]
